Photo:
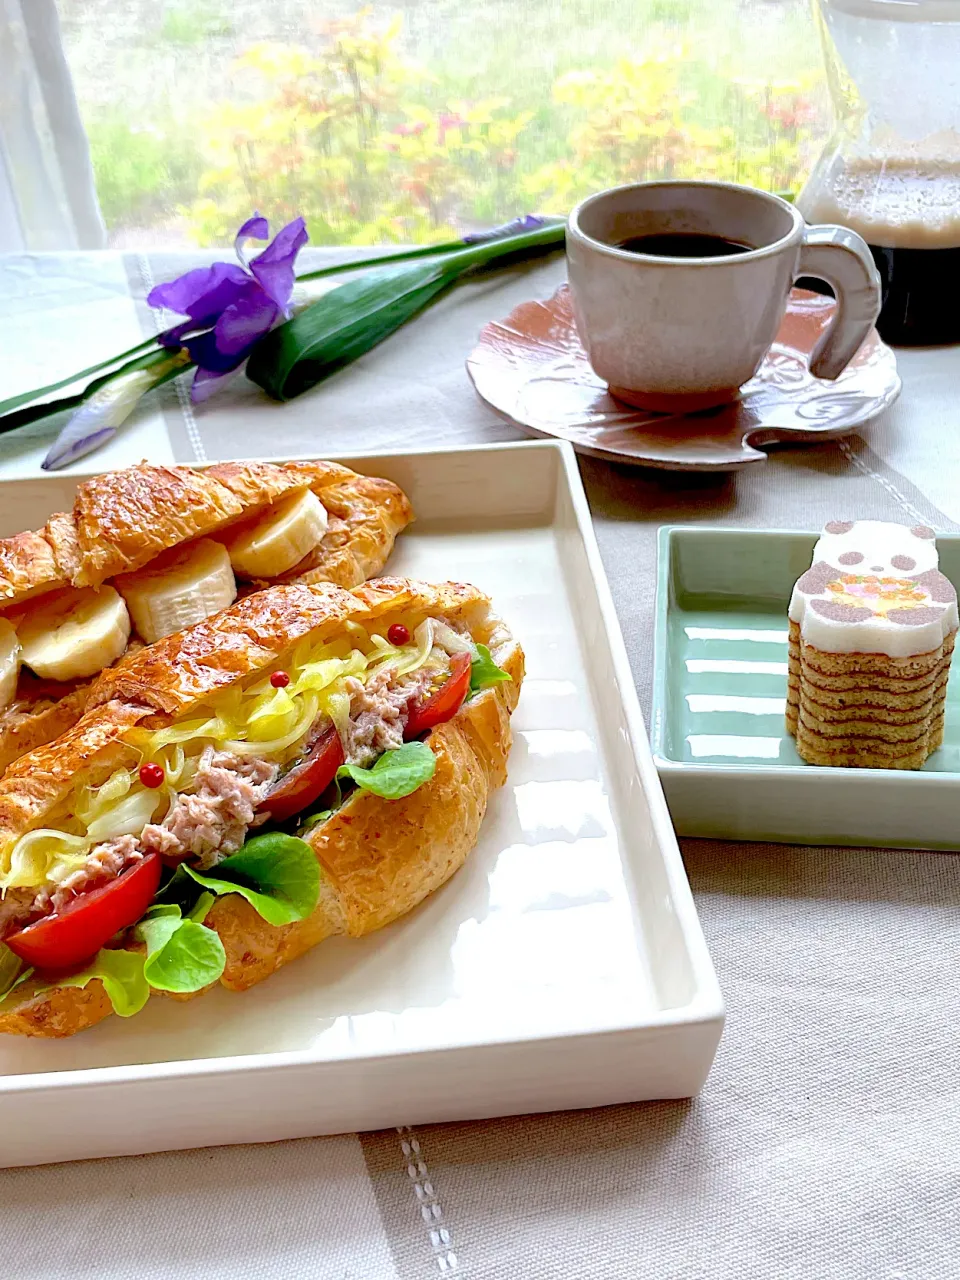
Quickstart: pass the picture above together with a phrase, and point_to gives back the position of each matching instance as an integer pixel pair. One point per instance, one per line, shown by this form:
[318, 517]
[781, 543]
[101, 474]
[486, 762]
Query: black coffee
[915, 207]
[683, 244]
[919, 291]
[920, 288]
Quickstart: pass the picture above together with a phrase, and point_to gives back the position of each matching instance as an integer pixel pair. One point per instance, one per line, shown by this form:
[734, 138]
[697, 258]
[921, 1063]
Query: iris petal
[98, 418]
[234, 305]
[255, 228]
[201, 294]
[205, 353]
[274, 267]
[64, 451]
[244, 321]
[205, 383]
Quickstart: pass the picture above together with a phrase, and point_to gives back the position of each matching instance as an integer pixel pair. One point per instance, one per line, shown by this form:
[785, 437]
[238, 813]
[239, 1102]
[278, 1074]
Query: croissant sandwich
[309, 762]
[150, 550]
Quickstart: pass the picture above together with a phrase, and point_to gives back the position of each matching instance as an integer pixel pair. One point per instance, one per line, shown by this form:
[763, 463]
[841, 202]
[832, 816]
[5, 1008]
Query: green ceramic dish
[727, 763]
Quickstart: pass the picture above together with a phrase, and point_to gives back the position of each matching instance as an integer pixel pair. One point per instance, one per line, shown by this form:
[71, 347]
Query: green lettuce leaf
[397, 773]
[182, 954]
[314, 820]
[484, 671]
[121, 973]
[277, 874]
[10, 966]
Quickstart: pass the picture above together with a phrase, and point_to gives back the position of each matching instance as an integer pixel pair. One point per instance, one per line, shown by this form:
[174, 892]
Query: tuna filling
[211, 820]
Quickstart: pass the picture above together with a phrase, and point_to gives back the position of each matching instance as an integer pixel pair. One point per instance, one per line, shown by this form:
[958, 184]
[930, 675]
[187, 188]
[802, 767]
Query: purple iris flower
[234, 306]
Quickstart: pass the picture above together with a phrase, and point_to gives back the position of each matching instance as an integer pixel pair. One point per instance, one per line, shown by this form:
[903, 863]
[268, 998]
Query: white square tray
[563, 966]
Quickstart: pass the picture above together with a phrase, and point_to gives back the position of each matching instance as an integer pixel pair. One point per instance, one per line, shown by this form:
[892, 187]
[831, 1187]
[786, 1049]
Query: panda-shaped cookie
[874, 587]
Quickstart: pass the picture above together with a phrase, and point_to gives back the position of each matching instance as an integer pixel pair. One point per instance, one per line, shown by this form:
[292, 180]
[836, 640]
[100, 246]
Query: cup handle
[843, 260]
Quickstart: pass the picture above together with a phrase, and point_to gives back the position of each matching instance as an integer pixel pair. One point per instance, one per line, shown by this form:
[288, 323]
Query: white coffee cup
[683, 333]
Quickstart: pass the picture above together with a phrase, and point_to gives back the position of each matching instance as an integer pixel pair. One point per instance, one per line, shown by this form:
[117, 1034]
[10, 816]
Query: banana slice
[9, 663]
[281, 538]
[75, 634]
[178, 589]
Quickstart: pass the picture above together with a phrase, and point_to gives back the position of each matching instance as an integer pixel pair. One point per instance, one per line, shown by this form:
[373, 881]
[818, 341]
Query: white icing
[878, 543]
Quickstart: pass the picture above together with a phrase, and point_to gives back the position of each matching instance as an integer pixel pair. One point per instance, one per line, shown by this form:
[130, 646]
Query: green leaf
[121, 973]
[191, 959]
[383, 260]
[49, 409]
[277, 874]
[314, 820]
[14, 402]
[201, 907]
[343, 324]
[551, 235]
[182, 955]
[397, 773]
[18, 982]
[157, 930]
[484, 671]
[162, 909]
[351, 319]
[10, 966]
[36, 412]
[180, 894]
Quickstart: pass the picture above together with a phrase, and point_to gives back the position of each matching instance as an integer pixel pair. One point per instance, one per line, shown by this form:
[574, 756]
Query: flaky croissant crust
[379, 858]
[121, 520]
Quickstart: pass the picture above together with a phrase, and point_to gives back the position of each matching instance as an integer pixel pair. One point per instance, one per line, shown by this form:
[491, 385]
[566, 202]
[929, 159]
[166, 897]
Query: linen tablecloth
[826, 1143]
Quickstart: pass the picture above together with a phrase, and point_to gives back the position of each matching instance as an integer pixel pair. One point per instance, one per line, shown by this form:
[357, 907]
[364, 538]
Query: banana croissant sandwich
[150, 550]
[309, 762]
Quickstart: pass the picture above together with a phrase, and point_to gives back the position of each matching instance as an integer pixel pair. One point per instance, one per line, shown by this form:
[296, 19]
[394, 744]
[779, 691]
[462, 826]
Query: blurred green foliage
[193, 22]
[142, 173]
[371, 147]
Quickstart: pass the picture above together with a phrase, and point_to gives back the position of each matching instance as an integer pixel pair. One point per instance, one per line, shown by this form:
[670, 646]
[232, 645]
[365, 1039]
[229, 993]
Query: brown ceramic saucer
[532, 369]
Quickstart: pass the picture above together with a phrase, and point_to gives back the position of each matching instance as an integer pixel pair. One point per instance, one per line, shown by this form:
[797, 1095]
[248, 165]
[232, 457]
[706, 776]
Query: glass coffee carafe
[891, 169]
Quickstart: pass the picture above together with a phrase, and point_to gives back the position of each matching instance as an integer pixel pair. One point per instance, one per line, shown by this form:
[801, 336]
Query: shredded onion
[271, 715]
[94, 800]
[31, 858]
[127, 818]
[337, 707]
[184, 732]
[451, 641]
[319, 675]
[306, 717]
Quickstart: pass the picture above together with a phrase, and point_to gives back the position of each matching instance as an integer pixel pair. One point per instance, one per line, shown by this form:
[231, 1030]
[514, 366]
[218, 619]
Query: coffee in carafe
[909, 215]
[891, 170]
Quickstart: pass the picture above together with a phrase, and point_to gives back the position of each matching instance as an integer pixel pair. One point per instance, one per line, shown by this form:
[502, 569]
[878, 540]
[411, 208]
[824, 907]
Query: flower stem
[14, 402]
[551, 234]
[37, 412]
[456, 257]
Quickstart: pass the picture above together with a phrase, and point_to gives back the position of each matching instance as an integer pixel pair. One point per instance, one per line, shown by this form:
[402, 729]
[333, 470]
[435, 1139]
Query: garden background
[415, 122]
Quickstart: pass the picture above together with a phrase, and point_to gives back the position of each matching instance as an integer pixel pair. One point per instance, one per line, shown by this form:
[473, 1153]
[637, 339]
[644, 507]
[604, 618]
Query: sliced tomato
[443, 705]
[76, 934]
[306, 780]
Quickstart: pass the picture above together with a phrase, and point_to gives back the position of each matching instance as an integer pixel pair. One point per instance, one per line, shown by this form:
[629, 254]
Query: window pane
[418, 121]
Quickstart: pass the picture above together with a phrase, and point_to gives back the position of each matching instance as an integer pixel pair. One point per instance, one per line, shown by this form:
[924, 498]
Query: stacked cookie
[872, 630]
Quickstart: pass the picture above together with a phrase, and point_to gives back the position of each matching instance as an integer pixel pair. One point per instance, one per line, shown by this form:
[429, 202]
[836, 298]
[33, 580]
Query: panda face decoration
[876, 548]
[874, 588]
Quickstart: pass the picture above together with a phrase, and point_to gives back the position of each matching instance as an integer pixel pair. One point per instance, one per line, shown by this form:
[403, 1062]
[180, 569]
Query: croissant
[126, 525]
[378, 856]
